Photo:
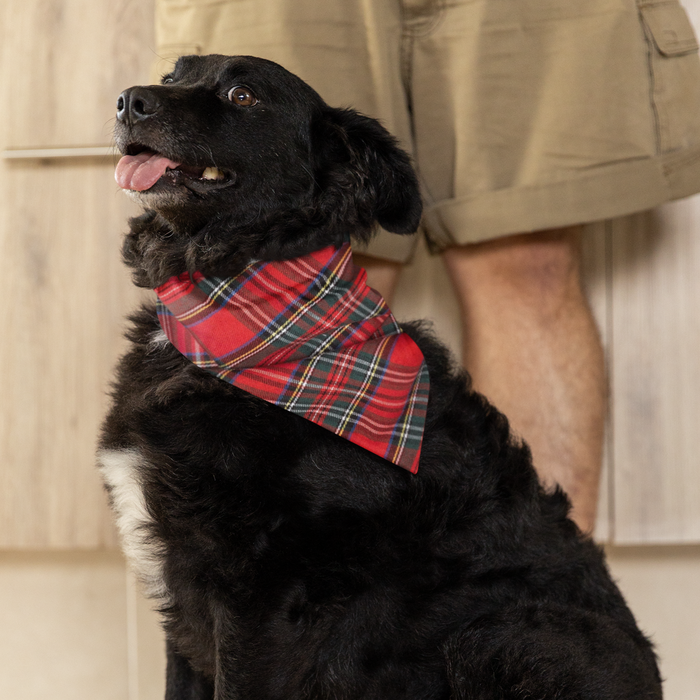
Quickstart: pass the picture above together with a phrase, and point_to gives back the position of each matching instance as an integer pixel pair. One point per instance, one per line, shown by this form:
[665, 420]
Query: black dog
[287, 561]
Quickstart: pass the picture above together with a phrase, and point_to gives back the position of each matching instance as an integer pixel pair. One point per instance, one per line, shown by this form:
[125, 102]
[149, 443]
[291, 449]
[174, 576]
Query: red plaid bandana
[308, 335]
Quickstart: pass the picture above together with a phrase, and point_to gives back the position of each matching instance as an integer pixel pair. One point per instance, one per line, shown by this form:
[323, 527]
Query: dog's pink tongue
[141, 172]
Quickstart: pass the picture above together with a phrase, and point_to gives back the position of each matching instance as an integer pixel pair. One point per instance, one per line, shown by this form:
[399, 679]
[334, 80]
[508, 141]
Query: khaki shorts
[521, 115]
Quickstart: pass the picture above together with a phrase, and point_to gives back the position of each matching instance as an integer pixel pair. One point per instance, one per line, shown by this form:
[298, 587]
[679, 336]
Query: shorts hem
[617, 190]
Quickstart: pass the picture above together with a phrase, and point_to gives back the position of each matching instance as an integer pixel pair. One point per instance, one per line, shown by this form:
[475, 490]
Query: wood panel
[69, 294]
[63, 622]
[656, 374]
[64, 63]
[660, 585]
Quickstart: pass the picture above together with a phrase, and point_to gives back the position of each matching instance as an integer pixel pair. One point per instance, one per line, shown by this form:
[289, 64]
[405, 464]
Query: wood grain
[656, 374]
[64, 62]
[69, 295]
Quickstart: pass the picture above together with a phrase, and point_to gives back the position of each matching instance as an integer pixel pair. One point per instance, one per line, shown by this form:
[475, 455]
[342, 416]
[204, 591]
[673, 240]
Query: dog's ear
[359, 156]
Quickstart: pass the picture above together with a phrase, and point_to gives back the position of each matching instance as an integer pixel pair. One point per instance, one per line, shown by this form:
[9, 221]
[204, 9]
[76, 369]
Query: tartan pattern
[308, 335]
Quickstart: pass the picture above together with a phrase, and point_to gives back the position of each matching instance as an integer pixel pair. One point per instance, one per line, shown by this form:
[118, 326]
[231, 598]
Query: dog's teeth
[213, 174]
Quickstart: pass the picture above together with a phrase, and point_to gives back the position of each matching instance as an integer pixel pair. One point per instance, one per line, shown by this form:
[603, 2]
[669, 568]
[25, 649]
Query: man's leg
[532, 347]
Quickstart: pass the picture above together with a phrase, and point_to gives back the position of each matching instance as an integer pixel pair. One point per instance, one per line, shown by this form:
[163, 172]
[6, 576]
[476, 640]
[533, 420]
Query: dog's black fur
[288, 562]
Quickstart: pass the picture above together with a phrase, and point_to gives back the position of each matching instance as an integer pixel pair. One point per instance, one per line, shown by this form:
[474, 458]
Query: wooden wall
[66, 293]
[654, 304]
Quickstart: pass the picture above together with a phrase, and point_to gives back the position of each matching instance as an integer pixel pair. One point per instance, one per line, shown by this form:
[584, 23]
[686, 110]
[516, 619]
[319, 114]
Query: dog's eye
[242, 96]
[167, 79]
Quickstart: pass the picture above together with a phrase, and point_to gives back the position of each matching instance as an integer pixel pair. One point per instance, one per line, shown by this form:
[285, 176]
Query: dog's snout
[136, 104]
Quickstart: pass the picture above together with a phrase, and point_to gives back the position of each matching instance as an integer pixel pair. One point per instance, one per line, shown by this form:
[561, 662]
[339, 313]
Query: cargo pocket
[667, 24]
[674, 68]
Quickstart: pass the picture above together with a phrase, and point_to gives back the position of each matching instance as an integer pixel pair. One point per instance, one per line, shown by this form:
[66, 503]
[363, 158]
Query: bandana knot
[310, 336]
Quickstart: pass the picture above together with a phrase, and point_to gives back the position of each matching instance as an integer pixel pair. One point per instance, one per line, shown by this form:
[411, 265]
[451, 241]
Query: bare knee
[537, 262]
[537, 270]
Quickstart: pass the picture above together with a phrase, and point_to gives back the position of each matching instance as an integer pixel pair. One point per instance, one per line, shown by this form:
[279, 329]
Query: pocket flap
[670, 27]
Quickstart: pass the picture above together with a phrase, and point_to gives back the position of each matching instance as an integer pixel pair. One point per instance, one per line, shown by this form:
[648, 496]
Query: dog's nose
[136, 104]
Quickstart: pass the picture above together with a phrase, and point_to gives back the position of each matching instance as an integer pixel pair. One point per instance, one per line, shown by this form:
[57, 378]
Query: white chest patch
[158, 340]
[120, 471]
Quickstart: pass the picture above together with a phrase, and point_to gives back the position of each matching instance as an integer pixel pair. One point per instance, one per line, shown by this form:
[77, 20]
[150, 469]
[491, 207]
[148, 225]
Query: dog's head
[235, 158]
